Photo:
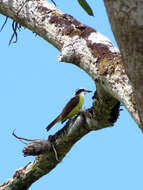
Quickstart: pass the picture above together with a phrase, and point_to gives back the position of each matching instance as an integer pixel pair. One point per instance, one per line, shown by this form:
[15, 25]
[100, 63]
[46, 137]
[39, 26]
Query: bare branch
[80, 45]
[53, 150]
[21, 138]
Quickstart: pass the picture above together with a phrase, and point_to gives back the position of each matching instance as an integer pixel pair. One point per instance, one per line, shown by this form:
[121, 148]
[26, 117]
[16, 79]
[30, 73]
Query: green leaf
[86, 7]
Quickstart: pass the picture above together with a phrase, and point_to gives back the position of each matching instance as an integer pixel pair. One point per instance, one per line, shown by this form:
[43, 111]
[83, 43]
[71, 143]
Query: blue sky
[34, 89]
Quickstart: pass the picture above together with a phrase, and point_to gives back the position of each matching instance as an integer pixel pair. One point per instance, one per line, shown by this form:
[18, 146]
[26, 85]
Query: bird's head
[81, 92]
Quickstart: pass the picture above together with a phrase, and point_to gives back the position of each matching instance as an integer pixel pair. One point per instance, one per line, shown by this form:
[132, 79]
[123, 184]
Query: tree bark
[92, 52]
[126, 18]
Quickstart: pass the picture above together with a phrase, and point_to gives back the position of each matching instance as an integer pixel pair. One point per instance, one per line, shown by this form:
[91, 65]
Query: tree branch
[79, 44]
[52, 151]
[126, 20]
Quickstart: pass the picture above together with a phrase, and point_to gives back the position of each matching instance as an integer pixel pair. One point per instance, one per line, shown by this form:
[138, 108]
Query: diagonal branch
[62, 142]
[79, 44]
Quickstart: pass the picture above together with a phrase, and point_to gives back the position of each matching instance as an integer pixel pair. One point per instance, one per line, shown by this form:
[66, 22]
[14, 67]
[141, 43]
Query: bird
[71, 109]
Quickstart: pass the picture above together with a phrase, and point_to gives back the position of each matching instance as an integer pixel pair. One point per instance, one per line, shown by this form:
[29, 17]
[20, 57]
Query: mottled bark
[126, 18]
[92, 52]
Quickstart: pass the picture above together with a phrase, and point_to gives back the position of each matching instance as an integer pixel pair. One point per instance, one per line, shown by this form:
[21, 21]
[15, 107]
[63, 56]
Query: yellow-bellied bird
[71, 108]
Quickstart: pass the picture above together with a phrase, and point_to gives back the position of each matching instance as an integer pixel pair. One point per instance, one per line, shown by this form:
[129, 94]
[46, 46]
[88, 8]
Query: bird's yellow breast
[76, 109]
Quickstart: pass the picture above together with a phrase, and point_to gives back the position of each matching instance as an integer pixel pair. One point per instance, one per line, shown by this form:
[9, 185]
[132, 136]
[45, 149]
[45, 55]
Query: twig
[23, 139]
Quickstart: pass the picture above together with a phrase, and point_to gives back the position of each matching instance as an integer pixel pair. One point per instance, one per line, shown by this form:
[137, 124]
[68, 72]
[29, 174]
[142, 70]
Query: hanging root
[15, 27]
[4, 24]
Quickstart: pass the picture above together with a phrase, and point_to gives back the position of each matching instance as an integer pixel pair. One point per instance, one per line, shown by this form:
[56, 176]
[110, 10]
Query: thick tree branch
[79, 44]
[126, 18]
[53, 150]
[92, 52]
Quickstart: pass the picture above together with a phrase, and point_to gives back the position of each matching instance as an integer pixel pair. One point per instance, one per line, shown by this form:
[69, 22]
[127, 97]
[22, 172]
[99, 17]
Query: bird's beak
[88, 91]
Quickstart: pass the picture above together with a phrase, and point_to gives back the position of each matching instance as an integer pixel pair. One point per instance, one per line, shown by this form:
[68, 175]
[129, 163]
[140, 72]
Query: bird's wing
[69, 106]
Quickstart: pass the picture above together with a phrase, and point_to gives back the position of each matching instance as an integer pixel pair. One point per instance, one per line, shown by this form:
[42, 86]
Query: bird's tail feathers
[53, 123]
